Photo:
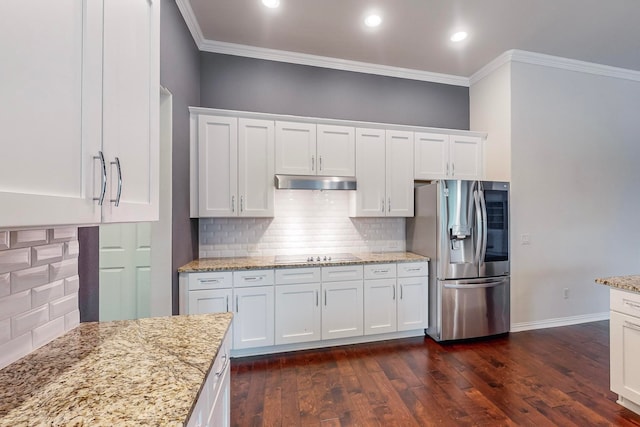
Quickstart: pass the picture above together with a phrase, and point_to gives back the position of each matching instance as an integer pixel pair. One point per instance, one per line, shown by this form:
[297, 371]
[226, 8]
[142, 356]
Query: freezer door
[474, 308]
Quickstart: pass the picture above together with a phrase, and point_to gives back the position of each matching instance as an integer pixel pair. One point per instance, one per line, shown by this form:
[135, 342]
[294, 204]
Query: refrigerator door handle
[479, 227]
[490, 284]
[483, 205]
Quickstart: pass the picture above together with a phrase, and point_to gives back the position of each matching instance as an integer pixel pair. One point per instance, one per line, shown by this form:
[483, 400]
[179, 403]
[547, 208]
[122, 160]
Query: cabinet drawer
[252, 278]
[290, 276]
[411, 269]
[380, 271]
[625, 302]
[210, 280]
[340, 273]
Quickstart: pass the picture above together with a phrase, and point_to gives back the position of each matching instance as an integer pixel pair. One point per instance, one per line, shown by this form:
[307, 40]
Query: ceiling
[415, 34]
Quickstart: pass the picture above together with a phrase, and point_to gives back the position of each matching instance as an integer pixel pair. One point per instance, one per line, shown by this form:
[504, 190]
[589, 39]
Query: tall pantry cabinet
[79, 105]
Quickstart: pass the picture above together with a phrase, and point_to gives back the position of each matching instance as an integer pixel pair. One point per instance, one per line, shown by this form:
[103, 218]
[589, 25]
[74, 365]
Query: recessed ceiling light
[372, 20]
[271, 3]
[459, 36]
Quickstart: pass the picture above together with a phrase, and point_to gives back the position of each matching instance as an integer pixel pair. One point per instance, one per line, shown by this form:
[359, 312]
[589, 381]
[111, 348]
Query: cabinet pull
[453, 169]
[313, 163]
[632, 304]
[241, 203]
[233, 203]
[103, 186]
[119, 193]
[632, 326]
[394, 292]
[237, 306]
[224, 366]
[382, 205]
[447, 168]
[253, 278]
[389, 205]
[380, 271]
[413, 269]
[325, 297]
[401, 286]
[316, 298]
[208, 280]
[227, 300]
[320, 160]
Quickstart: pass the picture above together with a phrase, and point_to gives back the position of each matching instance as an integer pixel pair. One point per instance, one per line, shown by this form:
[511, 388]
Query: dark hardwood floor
[549, 377]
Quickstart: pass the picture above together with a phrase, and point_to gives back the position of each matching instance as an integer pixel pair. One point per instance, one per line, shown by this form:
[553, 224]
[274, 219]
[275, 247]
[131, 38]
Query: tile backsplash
[305, 222]
[38, 289]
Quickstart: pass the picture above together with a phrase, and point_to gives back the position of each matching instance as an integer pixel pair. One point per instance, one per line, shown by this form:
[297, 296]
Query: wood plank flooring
[549, 377]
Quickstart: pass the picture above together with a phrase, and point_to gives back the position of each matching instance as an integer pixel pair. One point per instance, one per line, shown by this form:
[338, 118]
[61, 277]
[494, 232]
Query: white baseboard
[561, 321]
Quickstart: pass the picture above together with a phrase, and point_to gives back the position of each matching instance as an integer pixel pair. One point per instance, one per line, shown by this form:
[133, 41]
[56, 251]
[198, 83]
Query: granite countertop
[266, 262]
[628, 283]
[135, 372]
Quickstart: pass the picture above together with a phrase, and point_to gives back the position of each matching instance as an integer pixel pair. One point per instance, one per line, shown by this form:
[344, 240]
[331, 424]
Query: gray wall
[239, 83]
[180, 74]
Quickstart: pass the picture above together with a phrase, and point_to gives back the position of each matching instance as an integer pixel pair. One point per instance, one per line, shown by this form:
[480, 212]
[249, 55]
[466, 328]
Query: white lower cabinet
[412, 303]
[298, 313]
[253, 317]
[625, 347]
[209, 301]
[212, 409]
[380, 306]
[342, 309]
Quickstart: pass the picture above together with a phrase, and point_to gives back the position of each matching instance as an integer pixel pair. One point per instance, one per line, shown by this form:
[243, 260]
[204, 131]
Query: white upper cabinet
[384, 165]
[88, 72]
[310, 149]
[235, 167]
[336, 151]
[440, 156]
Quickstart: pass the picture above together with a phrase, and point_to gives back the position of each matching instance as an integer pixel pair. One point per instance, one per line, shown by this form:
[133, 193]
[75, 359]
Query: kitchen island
[625, 338]
[134, 372]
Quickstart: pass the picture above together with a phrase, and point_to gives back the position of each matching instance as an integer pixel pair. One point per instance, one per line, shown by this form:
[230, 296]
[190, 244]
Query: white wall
[574, 189]
[490, 111]
[305, 222]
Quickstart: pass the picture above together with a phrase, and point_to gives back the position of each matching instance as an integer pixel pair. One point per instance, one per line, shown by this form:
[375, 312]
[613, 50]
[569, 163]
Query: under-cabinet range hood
[311, 182]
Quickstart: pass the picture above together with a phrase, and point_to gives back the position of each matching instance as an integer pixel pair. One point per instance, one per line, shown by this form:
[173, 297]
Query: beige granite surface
[123, 373]
[628, 283]
[266, 262]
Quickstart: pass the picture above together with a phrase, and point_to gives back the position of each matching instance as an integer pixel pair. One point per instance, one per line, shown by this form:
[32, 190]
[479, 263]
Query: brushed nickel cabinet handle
[320, 160]
[382, 205]
[116, 201]
[316, 298]
[313, 163]
[103, 186]
[241, 203]
[394, 292]
[389, 205]
[233, 203]
[227, 301]
[632, 325]
[237, 306]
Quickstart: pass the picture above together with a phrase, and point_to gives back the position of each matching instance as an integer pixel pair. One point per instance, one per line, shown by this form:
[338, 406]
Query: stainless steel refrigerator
[463, 226]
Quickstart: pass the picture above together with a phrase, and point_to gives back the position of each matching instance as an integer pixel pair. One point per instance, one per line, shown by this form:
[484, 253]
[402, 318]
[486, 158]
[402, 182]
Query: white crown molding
[333, 63]
[184, 6]
[553, 62]
[562, 321]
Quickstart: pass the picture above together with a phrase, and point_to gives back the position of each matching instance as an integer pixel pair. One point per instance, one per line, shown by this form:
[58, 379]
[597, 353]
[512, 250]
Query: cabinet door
[466, 157]
[220, 415]
[131, 108]
[256, 167]
[370, 197]
[217, 166]
[295, 148]
[399, 172]
[342, 309]
[412, 303]
[209, 301]
[625, 347]
[431, 156]
[379, 306]
[336, 150]
[297, 313]
[50, 111]
[253, 321]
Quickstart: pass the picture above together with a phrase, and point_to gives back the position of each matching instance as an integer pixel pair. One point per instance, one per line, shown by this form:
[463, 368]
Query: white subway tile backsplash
[64, 305]
[4, 240]
[15, 259]
[22, 280]
[46, 254]
[71, 320]
[38, 276]
[47, 293]
[5, 331]
[71, 285]
[47, 332]
[63, 234]
[63, 269]
[24, 238]
[304, 222]
[14, 304]
[5, 284]
[29, 320]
